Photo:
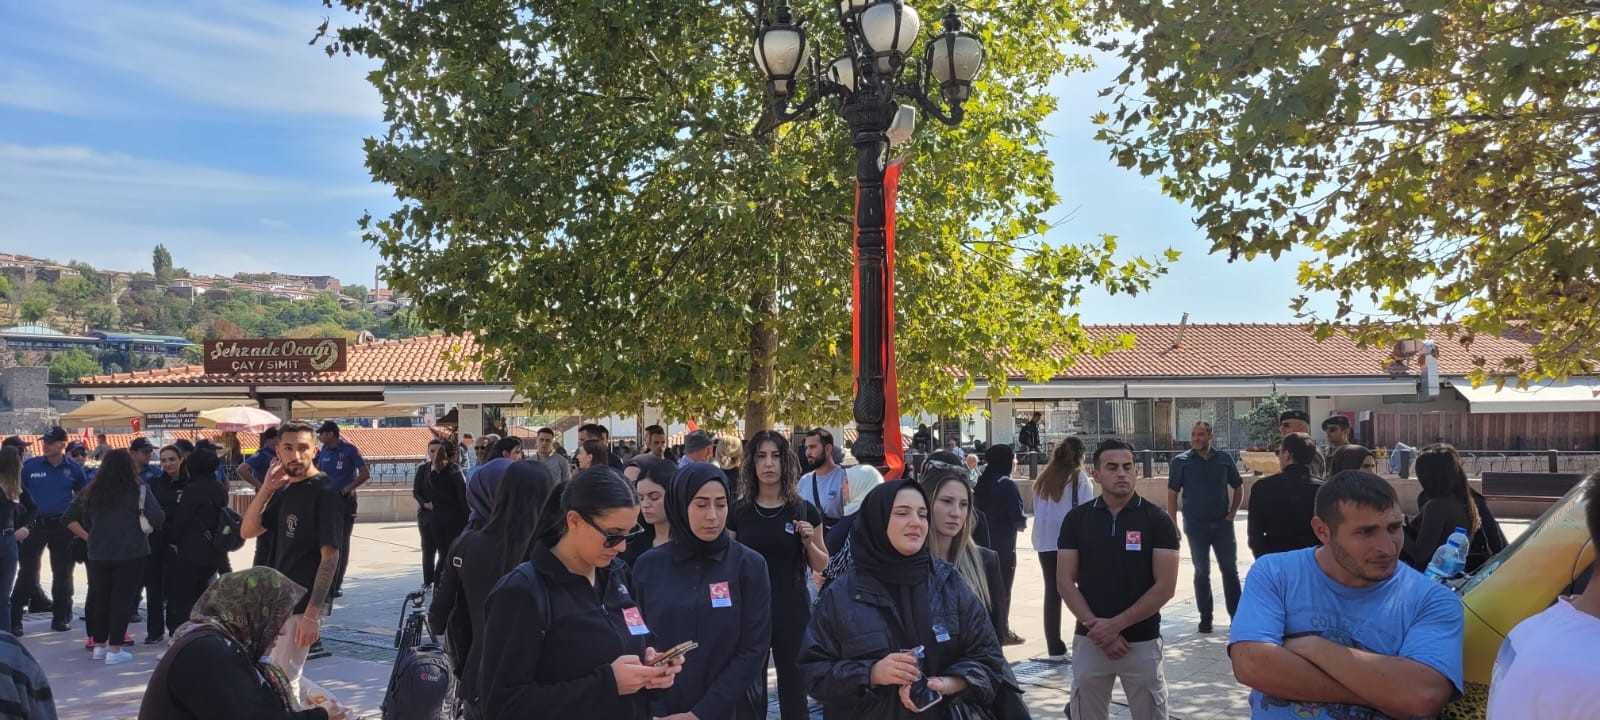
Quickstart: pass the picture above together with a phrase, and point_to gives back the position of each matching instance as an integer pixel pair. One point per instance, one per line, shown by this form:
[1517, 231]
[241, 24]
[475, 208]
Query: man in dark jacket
[1282, 504]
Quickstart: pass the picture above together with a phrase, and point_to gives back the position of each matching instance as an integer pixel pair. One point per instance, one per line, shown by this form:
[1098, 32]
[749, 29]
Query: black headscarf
[999, 461]
[685, 483]
[905, 575]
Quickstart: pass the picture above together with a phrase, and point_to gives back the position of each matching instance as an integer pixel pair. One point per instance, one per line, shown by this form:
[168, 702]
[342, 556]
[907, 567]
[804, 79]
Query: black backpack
[423, 683]
[226, 537]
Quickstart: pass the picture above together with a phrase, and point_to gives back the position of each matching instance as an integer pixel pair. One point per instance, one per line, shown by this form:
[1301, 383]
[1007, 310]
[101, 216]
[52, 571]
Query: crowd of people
[667, 584]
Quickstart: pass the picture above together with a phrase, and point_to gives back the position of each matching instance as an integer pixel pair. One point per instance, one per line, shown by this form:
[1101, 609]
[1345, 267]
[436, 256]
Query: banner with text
[310, 355]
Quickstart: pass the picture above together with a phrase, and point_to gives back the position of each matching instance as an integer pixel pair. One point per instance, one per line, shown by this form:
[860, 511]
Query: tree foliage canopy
[583, 190]
[1436, 155]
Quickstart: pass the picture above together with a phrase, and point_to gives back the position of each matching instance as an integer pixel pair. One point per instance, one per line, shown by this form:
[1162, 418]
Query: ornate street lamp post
[879, 38]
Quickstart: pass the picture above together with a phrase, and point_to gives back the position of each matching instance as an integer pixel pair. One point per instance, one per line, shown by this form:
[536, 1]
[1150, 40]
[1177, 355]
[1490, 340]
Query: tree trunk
[763, 377]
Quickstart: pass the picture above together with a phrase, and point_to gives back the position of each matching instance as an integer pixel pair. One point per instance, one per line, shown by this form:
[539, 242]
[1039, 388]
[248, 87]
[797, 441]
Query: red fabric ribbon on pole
[894, 453]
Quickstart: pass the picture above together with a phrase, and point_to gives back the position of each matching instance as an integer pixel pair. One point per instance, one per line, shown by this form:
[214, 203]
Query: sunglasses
[614, 539]
[942, 464]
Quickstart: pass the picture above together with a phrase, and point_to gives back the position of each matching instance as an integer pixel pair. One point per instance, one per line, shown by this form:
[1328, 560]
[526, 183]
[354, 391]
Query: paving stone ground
[384, 567]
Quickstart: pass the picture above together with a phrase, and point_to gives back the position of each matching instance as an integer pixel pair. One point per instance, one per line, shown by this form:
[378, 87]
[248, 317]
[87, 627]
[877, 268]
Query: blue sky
[213, 128]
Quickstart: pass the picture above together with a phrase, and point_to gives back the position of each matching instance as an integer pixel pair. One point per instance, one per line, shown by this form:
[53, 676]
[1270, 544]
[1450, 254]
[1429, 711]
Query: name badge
[1134, 541]
[635, 621]
[720, 597]
[940, 634]
[788, 527]
[339, 465]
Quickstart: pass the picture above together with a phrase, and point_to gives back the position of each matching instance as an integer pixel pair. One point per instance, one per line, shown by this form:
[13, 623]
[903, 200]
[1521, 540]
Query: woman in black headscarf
[700, 586]
[898, 615]
[997, 498]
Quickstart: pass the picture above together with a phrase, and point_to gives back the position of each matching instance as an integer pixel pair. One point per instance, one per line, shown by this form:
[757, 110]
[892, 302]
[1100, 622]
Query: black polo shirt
[1116, 558]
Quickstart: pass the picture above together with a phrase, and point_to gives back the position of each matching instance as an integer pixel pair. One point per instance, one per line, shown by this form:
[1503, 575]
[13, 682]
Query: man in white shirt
[1549, 666]
[823, 486]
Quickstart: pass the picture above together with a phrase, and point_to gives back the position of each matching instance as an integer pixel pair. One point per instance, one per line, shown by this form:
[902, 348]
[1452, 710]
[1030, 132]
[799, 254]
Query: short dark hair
[547, 431]
[1300, 448]
[821, 434]
[1036, 413]
[1592, 497]
[654, 430]
[594, 429]
[296, 426]
[506, 444]
[270, 434]
[100, 436]
[1353, 486]
[1109, 445]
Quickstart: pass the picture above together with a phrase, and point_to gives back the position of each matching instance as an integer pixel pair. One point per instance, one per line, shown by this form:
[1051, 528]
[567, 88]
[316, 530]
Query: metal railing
[1157, 463]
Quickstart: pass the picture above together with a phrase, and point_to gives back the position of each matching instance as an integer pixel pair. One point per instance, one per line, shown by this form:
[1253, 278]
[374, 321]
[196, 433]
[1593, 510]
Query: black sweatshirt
[209, 678]
[550, 638]
[1281, 507]
[723, 602]
[16, 515]
[193, 520]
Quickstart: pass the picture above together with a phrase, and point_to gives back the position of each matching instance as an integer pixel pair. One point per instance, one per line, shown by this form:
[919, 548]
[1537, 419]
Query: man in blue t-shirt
[1345, 631]
[52, 480]
[346, 471]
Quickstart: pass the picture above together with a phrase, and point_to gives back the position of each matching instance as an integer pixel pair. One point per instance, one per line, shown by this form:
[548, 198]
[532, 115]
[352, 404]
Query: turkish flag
[135, 423]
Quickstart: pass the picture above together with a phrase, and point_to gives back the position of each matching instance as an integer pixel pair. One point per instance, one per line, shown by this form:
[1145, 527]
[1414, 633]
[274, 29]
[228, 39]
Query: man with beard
[824, 486]
[1345, 630]
[305, 515]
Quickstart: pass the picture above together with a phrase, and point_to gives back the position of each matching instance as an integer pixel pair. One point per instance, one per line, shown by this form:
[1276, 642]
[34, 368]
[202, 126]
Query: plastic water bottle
[1451, 557]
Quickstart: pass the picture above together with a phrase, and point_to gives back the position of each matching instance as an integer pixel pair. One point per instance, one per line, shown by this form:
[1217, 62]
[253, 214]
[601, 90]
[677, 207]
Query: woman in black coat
[478, 560]
[703, 587]
[997, 497]
[563, 636]
[858, 652]
[446, 490]
[191, 527]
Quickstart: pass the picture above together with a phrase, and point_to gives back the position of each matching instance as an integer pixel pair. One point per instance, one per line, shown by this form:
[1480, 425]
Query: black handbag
[1008, 704]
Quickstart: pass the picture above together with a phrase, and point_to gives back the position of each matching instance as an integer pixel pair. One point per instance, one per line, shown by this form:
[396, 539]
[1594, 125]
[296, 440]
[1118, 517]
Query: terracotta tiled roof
[413, 361]
[1207, 351]
[1266, 350]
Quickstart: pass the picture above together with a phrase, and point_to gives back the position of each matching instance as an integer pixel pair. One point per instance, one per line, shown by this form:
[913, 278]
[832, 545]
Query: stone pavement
[384, 567]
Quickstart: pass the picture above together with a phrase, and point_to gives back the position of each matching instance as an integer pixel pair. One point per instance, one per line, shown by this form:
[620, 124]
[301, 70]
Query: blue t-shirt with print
[1409, 616]
[340, 463]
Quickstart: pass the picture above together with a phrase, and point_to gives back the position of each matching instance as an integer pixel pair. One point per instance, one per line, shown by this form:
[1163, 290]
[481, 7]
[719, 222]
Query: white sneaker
[119, 657]
[1056, 658]
[99, 652]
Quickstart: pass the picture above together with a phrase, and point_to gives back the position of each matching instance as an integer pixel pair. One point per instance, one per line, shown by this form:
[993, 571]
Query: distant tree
[5, 288]
[102, 316]
[223, 328]
[161, 263]
[35, 307]
[359, 292]
[73, 295]
[320, 330]
[70, 365]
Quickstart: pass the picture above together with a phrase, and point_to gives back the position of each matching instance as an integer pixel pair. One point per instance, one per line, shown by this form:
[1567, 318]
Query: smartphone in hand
[676, 652]
[922, 696]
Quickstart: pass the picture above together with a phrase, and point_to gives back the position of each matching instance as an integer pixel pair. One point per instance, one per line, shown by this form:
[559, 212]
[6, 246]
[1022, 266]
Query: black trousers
[155, 588]
[185, 582]
[791, 613]
[1008, 574]
[344, 547]
[47, 533]
[1052, 605]
[430, 552]
[113, 594]
[444, 536]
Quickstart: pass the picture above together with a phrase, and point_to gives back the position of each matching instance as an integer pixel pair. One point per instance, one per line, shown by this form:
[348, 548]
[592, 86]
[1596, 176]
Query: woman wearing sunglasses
[563, 635]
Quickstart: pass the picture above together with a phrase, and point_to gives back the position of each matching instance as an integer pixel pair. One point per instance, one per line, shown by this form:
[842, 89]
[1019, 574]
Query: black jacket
[192, 521]
[1001, 504]
[720, 677]
[16, 515]
[549, 640]
[471, 570]
[207, 677]
[1281, 507]
[851, 629]
[447, 490]
[419, 491]
[997, 589]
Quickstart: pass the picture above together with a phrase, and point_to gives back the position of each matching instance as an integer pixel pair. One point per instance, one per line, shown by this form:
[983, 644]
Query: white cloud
[273, 223]
[241, 54]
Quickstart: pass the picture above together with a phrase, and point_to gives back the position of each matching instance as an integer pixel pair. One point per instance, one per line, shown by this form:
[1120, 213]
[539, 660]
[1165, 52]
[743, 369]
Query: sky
[216, 130]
